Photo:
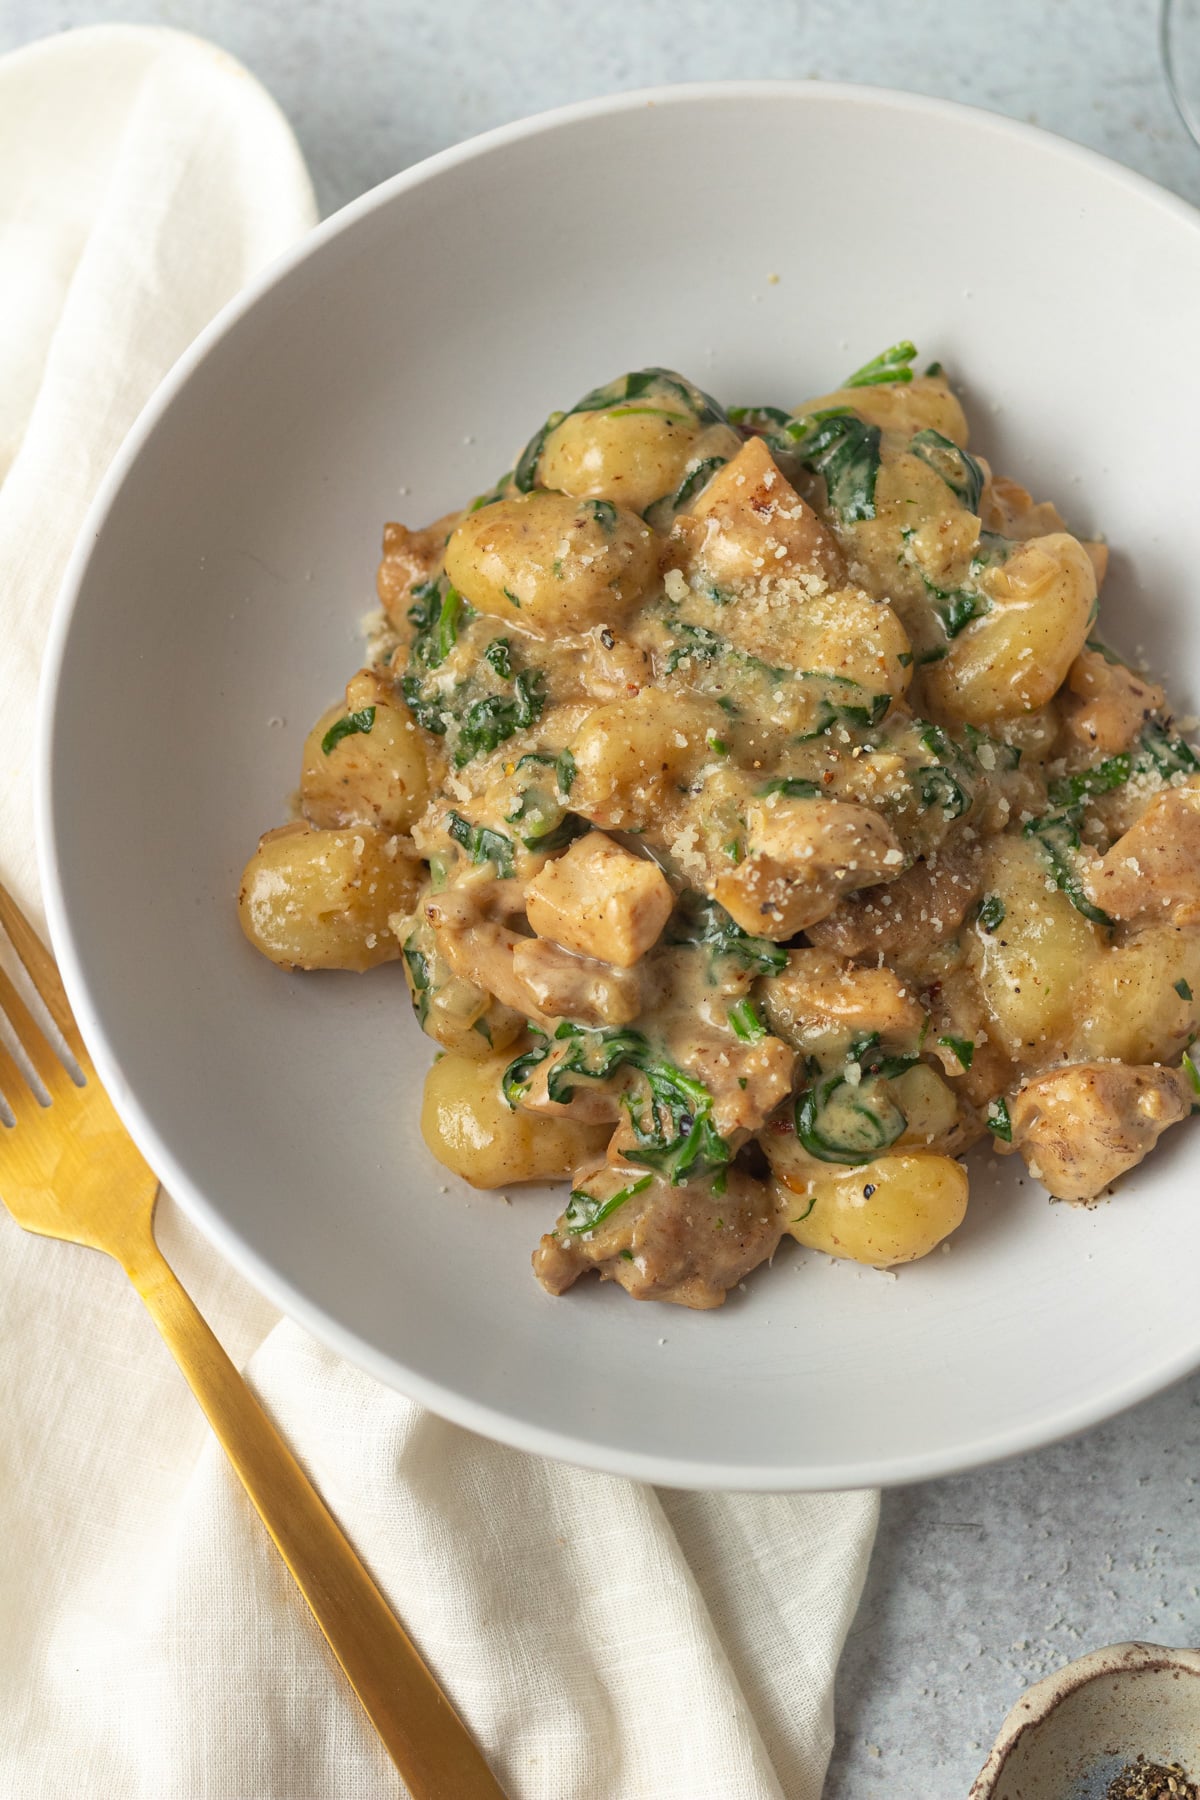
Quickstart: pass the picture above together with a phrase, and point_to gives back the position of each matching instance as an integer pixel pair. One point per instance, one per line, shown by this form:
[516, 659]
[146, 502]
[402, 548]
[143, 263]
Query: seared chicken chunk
[749, 522]
[682, 1244]
[1080, 1127]
[821, 1005]
[922, 907]
[1107, 705]
[600, 900]
[1154, 868]
[803, 854]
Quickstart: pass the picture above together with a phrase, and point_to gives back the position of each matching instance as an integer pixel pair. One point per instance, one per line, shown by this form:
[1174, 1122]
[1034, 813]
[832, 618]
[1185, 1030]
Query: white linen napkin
[604, 1641]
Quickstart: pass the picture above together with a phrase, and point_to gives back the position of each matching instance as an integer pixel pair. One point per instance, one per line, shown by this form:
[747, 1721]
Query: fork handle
[424, 1736]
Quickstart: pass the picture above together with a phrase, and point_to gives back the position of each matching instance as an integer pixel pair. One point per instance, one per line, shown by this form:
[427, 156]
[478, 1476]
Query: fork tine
[23, 1103]
[32, 1038]
[43, 972]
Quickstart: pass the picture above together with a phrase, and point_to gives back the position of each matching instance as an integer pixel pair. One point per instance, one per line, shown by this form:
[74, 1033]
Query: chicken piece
[600, 900]
[922, 907]
[683, 1244]
[565, 986]
[1154, 868]
[409, 557]
[1097, 551]
[822, 1005]
[482, 953]
[746, 1081]
[1107, 705]
[802, 854]
[750, 522]
[1082, 1126]
[473, 936]
[1009, 508]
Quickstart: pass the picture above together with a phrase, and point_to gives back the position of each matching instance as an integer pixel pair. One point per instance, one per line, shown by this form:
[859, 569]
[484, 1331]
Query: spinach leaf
[348, 726]
[956, 467]
[841, 700]
[499, 655]
[704, 923]
[431, 711]
[525, 473]
[998, 1121]
[661, 513]
[963, 1049]
[755, 420]
[1183, 989]
[1058, 837]
[496, 492]
[700, 645]
[991, 912]
[946, 783]
[584, 1211]
[872, 1059]
[671, 1118]
[955, 607]
[743, 1017]
[844, 449]
[792, 787]
[1170, 756]
[481, 843]
[1110, 656]
[514, 1083]
[1003, 756]
[938, 787]
[492, 718]
[438, 610]
[1101, 778]
[595, 1055]
[890, 365]
[676, 1136]
[417, 963]
[604, 513]
[841, 1123]
[545, 824]
[653, 383]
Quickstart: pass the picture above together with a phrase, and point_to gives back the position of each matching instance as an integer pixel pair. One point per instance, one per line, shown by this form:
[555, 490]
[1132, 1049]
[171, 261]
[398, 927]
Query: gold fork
[69, 1170]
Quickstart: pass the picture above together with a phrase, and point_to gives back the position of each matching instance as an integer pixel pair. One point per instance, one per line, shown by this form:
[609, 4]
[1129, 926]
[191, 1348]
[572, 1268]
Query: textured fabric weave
[604, 1641]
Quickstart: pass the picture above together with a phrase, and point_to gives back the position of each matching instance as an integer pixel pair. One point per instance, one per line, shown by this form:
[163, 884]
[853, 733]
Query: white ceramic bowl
[764, 238]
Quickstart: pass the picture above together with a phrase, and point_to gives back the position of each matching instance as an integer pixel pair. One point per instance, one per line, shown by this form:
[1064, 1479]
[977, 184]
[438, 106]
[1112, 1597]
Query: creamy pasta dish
[759, 818]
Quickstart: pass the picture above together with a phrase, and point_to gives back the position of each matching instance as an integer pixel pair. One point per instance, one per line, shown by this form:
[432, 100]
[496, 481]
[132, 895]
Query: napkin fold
[605, 1641]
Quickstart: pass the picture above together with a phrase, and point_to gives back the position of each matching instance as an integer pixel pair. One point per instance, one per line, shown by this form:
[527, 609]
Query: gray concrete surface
[981, 1584]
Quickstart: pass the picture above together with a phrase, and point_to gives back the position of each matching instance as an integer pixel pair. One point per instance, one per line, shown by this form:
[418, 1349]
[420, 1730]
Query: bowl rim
[486, 1419]
[1038, 1702]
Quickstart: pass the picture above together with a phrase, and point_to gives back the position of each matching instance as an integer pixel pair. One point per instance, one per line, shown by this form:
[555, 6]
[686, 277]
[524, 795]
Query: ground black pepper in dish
[1142, 1780]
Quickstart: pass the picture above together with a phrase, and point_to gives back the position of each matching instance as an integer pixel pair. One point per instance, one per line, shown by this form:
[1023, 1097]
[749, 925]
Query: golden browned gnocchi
[314, 899]
[885, 1212]
[759, 821]
[365, 762]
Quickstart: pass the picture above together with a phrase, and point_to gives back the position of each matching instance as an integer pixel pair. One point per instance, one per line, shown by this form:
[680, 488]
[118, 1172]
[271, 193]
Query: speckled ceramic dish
[1073, 1732]
[762, 237]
